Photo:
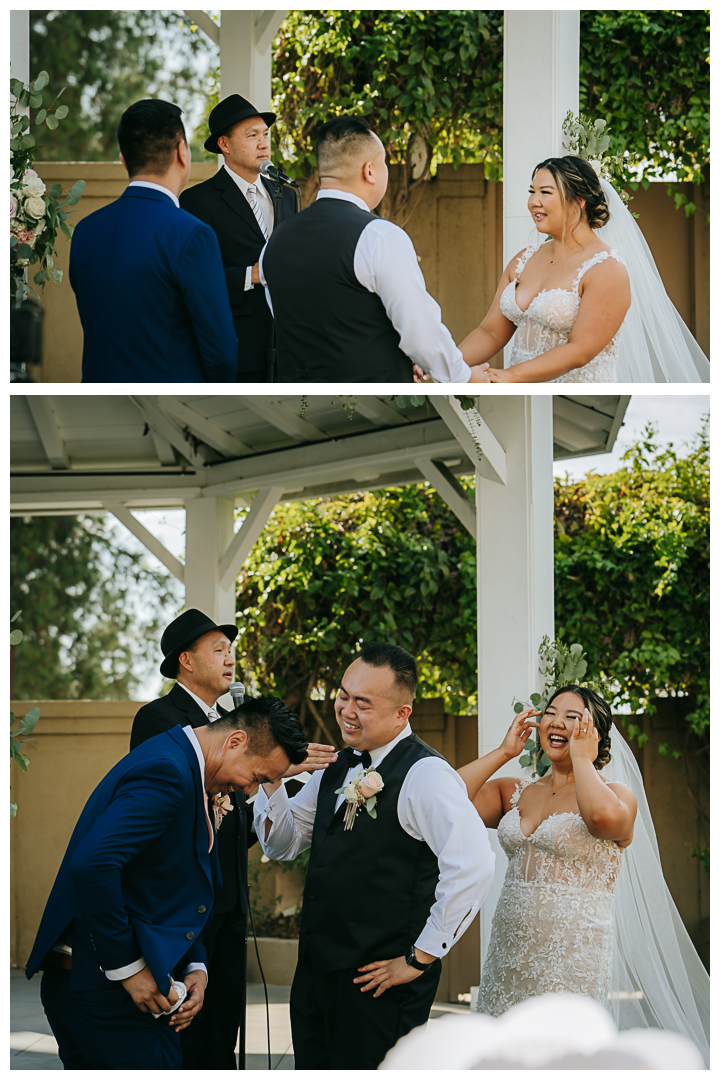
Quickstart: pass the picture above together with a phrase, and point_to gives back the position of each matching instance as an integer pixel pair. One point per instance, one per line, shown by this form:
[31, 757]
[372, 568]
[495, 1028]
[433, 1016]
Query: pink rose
[28, 174]
[371, 785]
[221, 804]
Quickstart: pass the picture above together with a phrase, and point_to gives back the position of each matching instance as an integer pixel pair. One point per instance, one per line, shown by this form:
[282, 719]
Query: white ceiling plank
[208, 430]
[267, 24]
[284, 418]
[146, 538]
[243, 541]
[42, 413]
[206, 24]
[379, 411]
[467, 431]
[169, 429]
[450, 491]
[163, 449]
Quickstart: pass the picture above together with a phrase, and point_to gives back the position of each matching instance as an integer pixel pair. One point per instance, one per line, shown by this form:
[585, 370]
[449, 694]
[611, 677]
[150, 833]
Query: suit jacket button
[189, 935]
[202, 909]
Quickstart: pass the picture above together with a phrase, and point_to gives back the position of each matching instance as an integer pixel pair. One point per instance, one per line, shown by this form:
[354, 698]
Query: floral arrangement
[220, 806]
[362, 792]
[589, 140]
[36, 213]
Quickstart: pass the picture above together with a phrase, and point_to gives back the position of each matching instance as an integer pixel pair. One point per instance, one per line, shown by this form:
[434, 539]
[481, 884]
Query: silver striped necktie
[251, 198]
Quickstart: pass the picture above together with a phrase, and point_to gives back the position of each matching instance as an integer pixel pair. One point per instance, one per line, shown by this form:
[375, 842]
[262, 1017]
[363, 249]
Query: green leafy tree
[327, 575]
[90, 607]
[632, 579]
[107, 60]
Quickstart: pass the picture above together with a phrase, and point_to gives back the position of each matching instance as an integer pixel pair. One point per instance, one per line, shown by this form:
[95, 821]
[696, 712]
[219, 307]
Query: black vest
[369, 890]
[328, 326]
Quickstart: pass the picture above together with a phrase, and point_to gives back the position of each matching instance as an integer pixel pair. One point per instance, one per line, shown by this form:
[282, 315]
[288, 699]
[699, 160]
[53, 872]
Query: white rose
[13, 206]
[28, 173]
[597, 166]
[33, 187]
[35, 207]
[371, 785]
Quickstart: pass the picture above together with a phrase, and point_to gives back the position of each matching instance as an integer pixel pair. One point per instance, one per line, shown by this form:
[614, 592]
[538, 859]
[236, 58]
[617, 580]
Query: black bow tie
[353, 759]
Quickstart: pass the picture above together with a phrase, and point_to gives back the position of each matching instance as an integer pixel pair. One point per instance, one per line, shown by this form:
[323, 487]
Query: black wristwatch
[411, 960]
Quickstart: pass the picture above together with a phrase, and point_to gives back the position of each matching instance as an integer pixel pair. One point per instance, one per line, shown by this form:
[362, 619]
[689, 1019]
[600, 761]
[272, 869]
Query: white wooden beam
[47, 427]
[284, 418]
[267, 24]
[146, 538]
[208, 533]
[20, 47]
[381, 412]
[242, 542]
[168, 428]
[451, 492]
[203, 21]
[492, 465]
[163, 449]
[207, 430]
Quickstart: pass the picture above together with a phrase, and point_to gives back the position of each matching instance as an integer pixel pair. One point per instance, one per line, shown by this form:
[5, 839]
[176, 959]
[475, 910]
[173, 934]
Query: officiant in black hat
[243, 208]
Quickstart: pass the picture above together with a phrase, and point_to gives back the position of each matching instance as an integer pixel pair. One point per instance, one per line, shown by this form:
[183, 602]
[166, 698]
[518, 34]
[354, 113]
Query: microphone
[237, 693]
[271, 172]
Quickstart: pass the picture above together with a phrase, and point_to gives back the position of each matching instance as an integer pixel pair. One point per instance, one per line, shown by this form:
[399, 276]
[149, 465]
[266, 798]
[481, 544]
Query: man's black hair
[148, 134]
[337, 137]
[383, 654]
[269, 723]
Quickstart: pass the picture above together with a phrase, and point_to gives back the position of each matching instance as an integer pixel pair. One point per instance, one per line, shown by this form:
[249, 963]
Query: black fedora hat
[228, 112]
[182, 632]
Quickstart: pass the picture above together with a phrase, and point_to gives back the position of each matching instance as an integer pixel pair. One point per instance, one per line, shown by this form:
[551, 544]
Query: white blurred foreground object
[554, 1031]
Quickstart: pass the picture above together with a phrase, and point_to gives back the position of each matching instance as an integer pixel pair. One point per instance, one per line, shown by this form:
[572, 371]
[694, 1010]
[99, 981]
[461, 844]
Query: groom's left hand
[319, 757]
[196, 981]
[386, 973]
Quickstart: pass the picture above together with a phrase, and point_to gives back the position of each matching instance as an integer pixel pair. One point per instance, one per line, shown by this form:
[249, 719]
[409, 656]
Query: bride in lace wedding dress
[567, 836]
[586, 305]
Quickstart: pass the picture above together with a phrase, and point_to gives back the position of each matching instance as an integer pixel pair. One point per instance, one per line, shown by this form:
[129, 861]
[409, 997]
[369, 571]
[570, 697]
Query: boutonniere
[361, 792]
[220, 806]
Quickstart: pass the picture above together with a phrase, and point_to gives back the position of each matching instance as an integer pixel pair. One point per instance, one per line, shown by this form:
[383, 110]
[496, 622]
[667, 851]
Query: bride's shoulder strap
[598, 257]
[519, 790]
[525, 257]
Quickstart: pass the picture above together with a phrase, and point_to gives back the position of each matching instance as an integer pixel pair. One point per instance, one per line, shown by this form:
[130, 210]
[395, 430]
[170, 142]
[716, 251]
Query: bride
[588, 304]
[580, 910]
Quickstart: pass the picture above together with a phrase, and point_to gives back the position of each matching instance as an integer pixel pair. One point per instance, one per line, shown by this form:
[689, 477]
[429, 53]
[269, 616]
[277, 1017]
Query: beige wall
[457, 230]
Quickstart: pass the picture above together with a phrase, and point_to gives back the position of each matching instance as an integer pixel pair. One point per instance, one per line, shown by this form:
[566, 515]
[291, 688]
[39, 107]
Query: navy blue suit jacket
[150, 289]
[137, 878]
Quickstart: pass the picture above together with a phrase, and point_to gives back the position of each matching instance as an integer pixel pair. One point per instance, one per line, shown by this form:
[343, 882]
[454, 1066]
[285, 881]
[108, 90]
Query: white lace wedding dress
[549, 319]
[552, 928]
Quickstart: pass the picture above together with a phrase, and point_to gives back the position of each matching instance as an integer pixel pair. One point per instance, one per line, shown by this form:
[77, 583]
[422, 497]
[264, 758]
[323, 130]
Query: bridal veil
[655, 344]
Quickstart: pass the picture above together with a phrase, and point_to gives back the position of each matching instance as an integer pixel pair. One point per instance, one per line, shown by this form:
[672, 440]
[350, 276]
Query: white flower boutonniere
[361, 792]
[220, 805]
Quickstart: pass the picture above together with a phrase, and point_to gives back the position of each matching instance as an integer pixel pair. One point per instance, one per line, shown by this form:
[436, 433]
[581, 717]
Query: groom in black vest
[386, 899]
[349, 298]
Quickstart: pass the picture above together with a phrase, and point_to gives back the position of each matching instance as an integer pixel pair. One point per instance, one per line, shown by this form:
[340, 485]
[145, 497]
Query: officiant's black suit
[220, 203]
[209, 1041]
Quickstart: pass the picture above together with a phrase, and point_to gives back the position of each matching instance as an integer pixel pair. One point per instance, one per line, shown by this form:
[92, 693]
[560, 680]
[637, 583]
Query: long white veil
[655, 344]
[658, 979]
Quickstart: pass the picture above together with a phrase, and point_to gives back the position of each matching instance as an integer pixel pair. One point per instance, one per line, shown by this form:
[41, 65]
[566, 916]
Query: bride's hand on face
[584, 740]
[518, 733]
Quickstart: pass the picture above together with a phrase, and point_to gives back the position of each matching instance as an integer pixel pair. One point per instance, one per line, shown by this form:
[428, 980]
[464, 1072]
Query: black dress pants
[209, 1041]
[335, 1026]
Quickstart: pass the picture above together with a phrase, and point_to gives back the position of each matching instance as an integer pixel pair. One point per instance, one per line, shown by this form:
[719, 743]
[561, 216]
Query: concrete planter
[278, 957]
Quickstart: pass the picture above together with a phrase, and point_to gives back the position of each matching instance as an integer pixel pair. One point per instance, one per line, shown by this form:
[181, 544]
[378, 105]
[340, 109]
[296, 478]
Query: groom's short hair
[269, 723]
[339, 140]
[402, 664]
[148, 135]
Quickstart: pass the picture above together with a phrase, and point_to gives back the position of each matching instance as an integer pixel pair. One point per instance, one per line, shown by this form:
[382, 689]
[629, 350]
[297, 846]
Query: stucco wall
[457, 230]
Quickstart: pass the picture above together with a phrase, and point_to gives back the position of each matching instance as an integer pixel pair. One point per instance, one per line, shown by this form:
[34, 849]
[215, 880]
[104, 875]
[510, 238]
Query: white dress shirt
[210, 712]
[155, 187]
[433, 806]
[118, 974]
[386, 263]
[266, 209]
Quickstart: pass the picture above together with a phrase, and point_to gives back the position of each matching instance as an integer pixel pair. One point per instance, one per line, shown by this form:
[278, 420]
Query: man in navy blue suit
[131, 901]
[148, 277]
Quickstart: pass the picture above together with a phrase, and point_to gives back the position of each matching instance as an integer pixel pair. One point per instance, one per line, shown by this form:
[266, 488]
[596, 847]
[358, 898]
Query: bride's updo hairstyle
[576, 179]
[601, 714]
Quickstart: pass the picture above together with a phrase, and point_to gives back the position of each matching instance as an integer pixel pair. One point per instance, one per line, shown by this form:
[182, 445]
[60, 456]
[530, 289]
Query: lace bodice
[548, 321]
[552, 928]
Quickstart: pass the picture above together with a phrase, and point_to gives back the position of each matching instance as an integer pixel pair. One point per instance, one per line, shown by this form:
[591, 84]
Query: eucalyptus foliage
[329, 574]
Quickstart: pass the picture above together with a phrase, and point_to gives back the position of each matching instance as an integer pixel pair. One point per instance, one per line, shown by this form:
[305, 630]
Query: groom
[387, 899]
[349, 298]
